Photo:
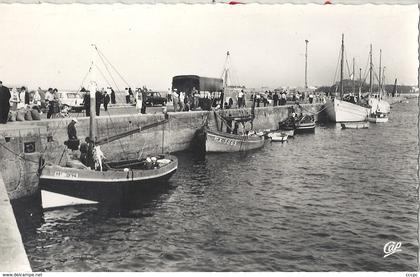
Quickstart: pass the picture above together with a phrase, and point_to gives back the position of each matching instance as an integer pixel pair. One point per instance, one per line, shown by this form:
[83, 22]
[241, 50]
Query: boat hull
[378, 119]
[116, 186]
[223, 142]
[305, 128]
[343, 111]
[355, 125]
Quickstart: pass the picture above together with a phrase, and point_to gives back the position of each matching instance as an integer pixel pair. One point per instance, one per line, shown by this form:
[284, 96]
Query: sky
[50, 45]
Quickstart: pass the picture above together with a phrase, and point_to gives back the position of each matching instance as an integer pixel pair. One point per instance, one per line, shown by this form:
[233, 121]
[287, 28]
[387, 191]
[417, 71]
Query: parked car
[72, 100]
[154, 98]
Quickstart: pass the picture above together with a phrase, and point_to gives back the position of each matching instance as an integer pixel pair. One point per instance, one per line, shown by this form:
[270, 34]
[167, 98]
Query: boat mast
[342, 67]
[383, 83]
[92, 94]
[380, 71]
[370, 71]
[306, 64]
[354, 84]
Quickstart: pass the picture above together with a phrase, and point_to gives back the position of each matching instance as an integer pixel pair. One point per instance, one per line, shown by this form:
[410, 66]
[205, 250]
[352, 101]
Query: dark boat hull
[305, 128]
[108, 186]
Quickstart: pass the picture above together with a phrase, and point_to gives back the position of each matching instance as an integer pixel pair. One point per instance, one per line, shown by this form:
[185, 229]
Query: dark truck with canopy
[209, 89]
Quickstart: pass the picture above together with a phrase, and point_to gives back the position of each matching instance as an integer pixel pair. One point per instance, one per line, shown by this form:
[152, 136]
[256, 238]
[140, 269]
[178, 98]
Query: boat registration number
[225, 140]
[66, 174]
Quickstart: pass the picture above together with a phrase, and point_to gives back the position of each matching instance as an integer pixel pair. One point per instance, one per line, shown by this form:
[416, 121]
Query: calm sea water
[327, 201]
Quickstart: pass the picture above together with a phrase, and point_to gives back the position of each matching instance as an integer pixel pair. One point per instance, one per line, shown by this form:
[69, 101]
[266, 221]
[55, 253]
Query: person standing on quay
[275, 98]
[127, 96]
[175, 100]
[4, 103]
[113, 96]
[240, 98]
[106, 100]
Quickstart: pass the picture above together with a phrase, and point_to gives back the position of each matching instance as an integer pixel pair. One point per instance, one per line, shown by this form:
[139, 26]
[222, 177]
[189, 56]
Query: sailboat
[380, 108]
[117, 181]
[232, 140]
[345, 110]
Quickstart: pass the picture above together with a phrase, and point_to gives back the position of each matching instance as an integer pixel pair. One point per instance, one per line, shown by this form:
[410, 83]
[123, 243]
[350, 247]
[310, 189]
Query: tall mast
[352, 75]
[360, 82]
[342, 67]
[380, 71]
[92, 92]
[226, 70]
[370, 71]
[306, 64]
[383, 82]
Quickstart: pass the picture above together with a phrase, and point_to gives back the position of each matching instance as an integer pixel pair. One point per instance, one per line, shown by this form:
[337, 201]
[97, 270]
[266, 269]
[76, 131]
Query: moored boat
[278, 136]
[345, 109]
[233, 140]
[378, 117]
[106, 181]
[118, 183]
[217, 141]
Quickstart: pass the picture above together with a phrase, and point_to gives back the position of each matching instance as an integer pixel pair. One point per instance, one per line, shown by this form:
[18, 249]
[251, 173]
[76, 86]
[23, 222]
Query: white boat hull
[278, 137]
[378, 119]
[343, 111]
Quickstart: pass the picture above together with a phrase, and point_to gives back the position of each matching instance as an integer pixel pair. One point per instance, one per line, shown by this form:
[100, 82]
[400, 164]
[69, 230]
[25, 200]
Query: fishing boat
[114, 181]
[380, 109]
[233, 140]
[345, 109]
[217, 141]
[355, 125]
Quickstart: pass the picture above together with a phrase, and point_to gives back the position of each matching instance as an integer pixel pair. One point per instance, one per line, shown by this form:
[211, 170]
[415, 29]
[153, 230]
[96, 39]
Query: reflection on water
[327, 201]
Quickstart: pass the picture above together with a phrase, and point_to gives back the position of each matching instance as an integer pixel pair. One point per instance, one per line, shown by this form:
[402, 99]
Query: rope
[303, 108]
[101, 54]
[16, 154]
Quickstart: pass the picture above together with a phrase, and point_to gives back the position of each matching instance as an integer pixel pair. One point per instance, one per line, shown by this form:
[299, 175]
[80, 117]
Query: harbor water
[327, 201]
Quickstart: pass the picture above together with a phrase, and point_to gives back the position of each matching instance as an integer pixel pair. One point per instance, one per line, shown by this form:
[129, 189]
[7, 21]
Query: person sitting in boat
[154, 162]
[84, 147]
[98, 156]
[148, 162]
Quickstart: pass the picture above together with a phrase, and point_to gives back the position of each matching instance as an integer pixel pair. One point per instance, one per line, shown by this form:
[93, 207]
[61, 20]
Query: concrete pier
[12, 255]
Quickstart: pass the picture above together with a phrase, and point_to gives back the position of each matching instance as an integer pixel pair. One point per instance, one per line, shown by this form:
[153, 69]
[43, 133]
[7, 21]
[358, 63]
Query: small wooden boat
[355, 125]
[278, 136]
[378, 117]
[289, 133]
[223, 142]
[305, 127]
[302, 124]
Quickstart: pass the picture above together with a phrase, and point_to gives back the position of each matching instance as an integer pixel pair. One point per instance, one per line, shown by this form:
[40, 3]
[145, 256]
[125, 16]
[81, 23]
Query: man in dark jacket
[73, 142]
[4, 103]
[106, 101]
